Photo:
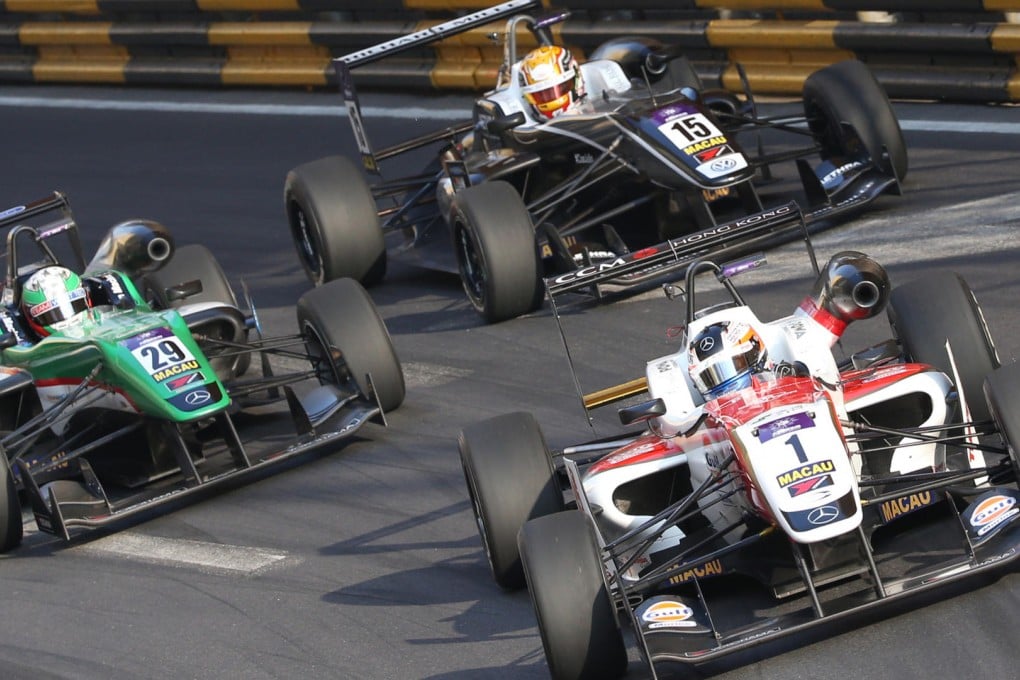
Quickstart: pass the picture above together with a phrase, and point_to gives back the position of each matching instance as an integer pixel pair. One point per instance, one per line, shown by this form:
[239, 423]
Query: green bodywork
[150, 358]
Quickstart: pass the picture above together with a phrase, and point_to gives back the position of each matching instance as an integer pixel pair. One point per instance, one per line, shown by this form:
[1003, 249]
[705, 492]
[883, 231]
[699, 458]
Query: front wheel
[576, 617]
[334, 222]
[497, 255]
[11, 530]
[348, 341]
[848, 92]
[510, 480]
[927, 313]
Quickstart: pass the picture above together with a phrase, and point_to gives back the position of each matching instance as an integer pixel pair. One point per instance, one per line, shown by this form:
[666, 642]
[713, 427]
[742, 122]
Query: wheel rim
[307, 247]
[471, 267]
[328, 368]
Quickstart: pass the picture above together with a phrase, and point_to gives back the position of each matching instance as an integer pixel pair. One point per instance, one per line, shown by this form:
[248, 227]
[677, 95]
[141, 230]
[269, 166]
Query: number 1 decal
[798, 448]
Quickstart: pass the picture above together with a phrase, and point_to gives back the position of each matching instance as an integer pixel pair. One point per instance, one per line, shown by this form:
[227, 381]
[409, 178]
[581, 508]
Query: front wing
[64, 505]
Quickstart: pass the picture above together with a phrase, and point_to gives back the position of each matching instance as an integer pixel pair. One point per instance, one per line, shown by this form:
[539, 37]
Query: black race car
[650, 155]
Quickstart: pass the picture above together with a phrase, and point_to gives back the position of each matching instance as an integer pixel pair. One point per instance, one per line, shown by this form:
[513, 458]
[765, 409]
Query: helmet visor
[552, 92]
[717, 372]
[59, 307]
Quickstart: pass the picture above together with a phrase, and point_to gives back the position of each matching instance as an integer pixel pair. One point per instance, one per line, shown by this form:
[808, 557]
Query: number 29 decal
[163, 356]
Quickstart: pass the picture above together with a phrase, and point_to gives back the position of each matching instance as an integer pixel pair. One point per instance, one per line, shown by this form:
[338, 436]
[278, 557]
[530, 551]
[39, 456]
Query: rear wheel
[347, 340]
[1002, 392]
[510, 480]
[11, 531]
[576, 618]
[925, 313]
[334, 222]
[848, 92]
[497, 255]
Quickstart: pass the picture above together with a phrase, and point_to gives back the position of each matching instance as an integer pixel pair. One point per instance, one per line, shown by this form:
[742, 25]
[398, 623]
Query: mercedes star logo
[197, 398]
[823, 515]
[706, 344]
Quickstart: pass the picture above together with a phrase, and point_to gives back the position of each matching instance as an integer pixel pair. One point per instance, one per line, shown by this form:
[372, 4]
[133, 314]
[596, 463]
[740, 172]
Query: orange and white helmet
[551, 80]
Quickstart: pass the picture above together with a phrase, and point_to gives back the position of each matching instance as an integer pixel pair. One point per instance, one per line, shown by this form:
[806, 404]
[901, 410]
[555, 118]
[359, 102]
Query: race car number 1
[690, 129]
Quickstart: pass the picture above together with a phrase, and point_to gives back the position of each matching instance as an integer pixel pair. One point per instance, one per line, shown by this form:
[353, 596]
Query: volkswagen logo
[723, 164]
[197, 398]
[823, 515]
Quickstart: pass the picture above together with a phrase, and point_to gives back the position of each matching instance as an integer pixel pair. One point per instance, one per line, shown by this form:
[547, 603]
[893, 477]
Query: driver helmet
[551, 80]
[51, 297]
[722, 357]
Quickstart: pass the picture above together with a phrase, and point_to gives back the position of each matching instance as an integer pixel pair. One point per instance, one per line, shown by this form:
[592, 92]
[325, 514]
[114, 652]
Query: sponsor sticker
[900, 506]
[712, 568]
[185, 380]
[805, 471]
[713, 153]
[993, 511]
[669, 614]
[784, 425]
[723, 165]
[823, 515]
[810, 484]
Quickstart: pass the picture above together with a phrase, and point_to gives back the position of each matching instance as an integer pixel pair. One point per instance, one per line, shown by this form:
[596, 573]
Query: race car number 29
[163, 357]
[692, 129]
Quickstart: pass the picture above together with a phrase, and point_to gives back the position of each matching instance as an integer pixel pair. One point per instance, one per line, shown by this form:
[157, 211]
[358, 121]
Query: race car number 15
[689, 129]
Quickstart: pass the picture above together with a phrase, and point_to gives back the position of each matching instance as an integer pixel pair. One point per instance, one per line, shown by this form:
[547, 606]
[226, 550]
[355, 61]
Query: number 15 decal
[689, 129]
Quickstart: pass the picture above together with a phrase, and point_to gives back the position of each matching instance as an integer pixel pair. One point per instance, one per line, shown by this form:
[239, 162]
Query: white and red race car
[770, 488]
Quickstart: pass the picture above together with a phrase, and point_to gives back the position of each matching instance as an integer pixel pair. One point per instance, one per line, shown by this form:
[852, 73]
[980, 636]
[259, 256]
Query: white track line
[400, 113]
[177, 552]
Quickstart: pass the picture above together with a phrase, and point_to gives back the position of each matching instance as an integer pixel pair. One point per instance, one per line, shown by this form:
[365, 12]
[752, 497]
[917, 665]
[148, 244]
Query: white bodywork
[828, 459]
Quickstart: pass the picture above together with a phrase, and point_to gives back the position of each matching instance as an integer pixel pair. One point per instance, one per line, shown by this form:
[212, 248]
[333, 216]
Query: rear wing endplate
[343, 65]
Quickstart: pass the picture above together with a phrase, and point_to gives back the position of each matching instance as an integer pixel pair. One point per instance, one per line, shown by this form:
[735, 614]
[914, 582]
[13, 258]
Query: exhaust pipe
[852, 286]
[134, 247]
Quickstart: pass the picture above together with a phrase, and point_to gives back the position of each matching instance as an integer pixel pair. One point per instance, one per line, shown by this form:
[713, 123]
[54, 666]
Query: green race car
[126, 381]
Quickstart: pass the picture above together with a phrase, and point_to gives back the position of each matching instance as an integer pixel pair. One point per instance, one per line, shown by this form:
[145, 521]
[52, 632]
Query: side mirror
[501, 125]
[183, 290]
[639, 413]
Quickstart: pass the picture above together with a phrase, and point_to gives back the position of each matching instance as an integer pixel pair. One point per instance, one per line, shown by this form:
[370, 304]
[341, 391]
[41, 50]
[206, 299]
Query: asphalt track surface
[365, 562]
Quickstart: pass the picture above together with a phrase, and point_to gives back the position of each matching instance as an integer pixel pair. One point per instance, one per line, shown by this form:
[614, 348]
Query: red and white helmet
[551, 80]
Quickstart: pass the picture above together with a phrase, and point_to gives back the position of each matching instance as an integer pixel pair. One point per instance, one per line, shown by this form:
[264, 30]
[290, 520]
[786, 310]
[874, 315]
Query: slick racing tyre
[348, 341]
[497, 254]
[927, 312]
[196, 262]
[848, 92]
[510, 480]
[11, 530]
[576, 618]
[1002, 392]
[334, 223]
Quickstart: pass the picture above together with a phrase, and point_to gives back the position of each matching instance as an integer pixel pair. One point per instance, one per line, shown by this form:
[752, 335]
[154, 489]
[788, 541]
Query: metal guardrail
[961, 50]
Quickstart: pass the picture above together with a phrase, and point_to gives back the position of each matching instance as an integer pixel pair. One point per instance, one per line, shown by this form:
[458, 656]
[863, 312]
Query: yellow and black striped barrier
[971, 55]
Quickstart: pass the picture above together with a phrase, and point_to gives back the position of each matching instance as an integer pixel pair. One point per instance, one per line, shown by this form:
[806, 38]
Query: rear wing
[673, 257]
[343, 65]
[726, 240]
